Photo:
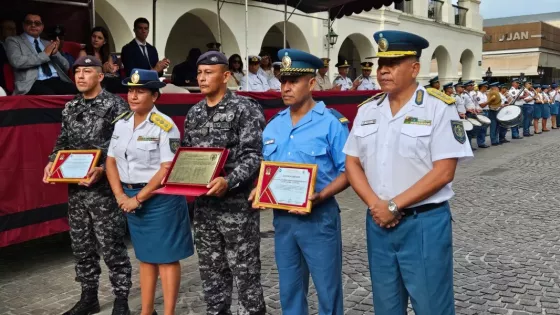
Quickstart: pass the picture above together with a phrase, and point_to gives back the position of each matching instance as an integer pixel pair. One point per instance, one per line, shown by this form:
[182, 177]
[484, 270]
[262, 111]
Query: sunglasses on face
[35, 23]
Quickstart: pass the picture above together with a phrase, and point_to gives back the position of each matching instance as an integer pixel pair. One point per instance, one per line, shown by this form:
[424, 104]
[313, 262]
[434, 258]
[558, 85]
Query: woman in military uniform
[140, 153]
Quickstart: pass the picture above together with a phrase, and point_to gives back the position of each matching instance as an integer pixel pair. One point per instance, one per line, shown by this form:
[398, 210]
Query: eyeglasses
[34, 23]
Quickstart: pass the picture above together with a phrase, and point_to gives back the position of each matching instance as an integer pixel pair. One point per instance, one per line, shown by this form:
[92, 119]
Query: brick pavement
[506, 232]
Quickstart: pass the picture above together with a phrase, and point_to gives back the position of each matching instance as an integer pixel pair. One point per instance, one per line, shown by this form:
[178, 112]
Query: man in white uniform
[517, 97]
[482, 100]
[463, 97]
[342, 78]
[254, 81]
[365, 80]
[402, 154]
[274, 82]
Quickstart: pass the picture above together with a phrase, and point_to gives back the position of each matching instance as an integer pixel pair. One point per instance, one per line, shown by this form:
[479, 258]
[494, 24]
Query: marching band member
[342, 78]
[365, 81]
[483, 103]
[546, 106]
[555, 105]
[464, 104]
[538, 109]
[495, 102]
[528, 109]
[517, 99]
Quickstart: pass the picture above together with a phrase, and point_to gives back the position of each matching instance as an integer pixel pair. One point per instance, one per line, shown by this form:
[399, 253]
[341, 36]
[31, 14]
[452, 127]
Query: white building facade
[454, 31]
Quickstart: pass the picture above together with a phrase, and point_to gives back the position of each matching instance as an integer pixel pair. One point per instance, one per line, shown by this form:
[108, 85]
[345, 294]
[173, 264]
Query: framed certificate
[192, 169]
[72, 166]
[285, 186]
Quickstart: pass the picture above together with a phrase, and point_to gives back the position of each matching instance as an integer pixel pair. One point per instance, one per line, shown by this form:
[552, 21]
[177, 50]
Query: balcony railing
[434, 9]
[460, 15]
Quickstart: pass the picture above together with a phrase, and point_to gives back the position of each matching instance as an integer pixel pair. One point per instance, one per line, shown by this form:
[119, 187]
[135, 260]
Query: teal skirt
[160, 230]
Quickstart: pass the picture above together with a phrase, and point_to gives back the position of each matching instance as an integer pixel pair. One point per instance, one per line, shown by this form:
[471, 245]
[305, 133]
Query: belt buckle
[129, 186]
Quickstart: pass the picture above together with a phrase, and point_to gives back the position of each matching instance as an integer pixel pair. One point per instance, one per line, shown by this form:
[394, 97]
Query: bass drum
[509, 116]
[467, 125]
[485, 121]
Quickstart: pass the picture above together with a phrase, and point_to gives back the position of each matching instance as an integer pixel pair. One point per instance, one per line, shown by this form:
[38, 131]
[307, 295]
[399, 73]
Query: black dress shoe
[483, 146]
[516, 138]
[473, 149]
[504, 141]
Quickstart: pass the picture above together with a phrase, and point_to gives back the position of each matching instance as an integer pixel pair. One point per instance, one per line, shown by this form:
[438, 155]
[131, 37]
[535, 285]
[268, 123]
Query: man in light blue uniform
[401, 158]
[308, 132]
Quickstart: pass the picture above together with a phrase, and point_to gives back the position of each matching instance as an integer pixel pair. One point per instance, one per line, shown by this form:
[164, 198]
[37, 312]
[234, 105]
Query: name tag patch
[415, 121]
[148, 139]
[271, 141]
[369, 122]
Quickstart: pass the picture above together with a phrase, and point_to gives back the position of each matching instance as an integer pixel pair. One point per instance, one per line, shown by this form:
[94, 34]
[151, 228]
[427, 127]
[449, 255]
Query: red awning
[336, 8]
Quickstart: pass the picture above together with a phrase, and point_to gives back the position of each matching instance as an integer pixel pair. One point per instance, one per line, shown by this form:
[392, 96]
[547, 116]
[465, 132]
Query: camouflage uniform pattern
[227, 229]
[93, 214]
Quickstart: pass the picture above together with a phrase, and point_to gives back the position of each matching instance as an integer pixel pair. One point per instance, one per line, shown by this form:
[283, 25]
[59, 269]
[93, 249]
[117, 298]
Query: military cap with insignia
[515, 80]
[448, 85]
[483, 83]
[142, 78]
[536, 86]
[254, 59]
[342, 64]
[326, 62]
[296, 62]
[87, 61]
[277, 65]
[211, 58]
[367, 65]
[495, 84]
[554, 85]
[471, 82]
[459, 84]
[395, 44]
[545, 86]
[213, 46]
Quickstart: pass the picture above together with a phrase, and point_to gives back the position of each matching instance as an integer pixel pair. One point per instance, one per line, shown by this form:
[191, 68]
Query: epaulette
[441, 96]
[343, 120]
[377, 97]
[161, 122]
[125, 115]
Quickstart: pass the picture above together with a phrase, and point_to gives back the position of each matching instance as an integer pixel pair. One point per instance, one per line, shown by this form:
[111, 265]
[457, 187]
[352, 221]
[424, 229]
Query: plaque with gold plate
[285, 186]
[72, 166]
[192, 170]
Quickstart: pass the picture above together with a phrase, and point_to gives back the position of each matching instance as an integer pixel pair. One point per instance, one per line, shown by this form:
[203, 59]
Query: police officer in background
[365, 81]
[322, 79]
[227, 232]
[517, 96]
[342, 78]
[434, 83]
[308, 132]
[93, 214]
[402, 154]
[256, 80]
[274, 81]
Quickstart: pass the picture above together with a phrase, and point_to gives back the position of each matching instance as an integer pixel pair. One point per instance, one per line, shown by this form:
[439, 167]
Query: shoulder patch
[161, 122]
[441, 96]
[343, 120]
[125, 115]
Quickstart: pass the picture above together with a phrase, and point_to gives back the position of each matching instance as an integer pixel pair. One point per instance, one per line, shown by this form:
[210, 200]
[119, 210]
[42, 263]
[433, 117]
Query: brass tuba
[494, 100]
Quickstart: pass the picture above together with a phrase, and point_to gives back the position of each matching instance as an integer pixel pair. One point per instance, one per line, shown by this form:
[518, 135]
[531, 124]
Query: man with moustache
[308, 243]
[93, 214]
[227, 229]
[402, 154]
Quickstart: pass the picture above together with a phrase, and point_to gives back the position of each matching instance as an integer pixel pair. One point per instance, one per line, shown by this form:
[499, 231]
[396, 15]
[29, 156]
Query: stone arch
[182, 38]
[354, 48]
[109, 17]
[272, 41]
[443, 60]
[467, 65]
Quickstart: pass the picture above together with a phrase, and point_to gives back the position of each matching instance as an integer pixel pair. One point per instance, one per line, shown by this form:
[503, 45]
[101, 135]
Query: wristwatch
[394, 208]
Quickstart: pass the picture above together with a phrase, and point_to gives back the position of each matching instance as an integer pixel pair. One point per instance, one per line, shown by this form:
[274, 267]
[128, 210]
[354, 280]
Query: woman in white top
[142, 148]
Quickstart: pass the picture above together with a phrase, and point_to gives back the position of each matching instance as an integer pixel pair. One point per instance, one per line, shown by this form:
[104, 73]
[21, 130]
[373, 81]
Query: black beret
[212, 58]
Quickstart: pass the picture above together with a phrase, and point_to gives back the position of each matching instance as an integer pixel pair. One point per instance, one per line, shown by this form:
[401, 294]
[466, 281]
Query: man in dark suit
[139, 54]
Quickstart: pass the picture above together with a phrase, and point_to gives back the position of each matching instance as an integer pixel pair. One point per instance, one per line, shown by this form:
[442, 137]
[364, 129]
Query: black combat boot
[120, 307]
[87, 305]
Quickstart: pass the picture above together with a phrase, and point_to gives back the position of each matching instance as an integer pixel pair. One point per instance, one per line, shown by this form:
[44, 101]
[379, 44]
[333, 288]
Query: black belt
[134, 186]
[422, 208]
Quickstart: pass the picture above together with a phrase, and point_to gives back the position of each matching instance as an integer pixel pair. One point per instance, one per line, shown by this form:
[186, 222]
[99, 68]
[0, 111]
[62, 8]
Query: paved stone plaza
[506, 238]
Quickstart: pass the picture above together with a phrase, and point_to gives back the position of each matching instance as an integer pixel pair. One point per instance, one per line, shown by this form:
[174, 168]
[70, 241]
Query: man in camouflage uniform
[227, 232]
[93, 214]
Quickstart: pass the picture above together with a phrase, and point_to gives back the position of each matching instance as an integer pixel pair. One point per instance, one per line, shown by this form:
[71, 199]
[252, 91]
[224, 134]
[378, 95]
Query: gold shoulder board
[441, 96]
[121, 116]
[380, 97]
[161, 122]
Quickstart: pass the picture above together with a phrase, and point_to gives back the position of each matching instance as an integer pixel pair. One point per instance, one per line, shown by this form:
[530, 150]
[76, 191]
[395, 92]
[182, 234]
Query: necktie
[145, 54]
[45, 66]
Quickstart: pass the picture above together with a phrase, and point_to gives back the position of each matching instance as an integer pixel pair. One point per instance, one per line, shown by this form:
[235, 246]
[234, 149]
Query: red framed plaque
[192, 170]
[285, 186]
[72, 166]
